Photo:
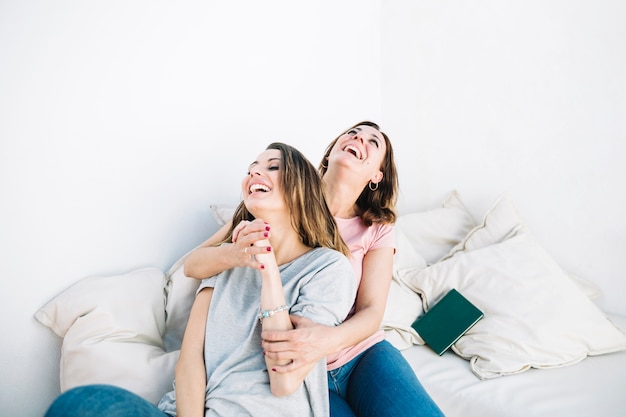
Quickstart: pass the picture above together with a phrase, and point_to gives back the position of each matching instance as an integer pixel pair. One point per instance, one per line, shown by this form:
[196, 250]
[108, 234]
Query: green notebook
[446, 321]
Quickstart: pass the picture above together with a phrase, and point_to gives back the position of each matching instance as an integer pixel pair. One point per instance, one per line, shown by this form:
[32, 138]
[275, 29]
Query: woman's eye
[351, 132]
[274, 168]
[375, 142]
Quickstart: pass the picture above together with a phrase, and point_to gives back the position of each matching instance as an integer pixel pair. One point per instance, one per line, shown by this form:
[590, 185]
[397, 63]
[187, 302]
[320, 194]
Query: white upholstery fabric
[535, 315]
[593, 387]
[112, 329]
[126, 329]
[433, 233]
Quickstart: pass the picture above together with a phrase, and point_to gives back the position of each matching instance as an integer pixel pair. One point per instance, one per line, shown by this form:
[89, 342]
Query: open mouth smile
[354, 151]
[256, 187]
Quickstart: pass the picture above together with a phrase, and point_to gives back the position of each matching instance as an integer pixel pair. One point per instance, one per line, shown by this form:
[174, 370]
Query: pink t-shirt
[361, 239]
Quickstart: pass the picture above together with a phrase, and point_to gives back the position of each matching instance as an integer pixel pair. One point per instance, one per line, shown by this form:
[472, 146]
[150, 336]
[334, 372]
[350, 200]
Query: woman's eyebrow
[257, 162]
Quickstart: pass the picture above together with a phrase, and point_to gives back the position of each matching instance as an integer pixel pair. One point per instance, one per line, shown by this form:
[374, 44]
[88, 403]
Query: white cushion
[501, 222]
[421, 238]
[536, 316]
[222, 214]
[433, 233]
[112, 329]
[180, 292]
[406, 255]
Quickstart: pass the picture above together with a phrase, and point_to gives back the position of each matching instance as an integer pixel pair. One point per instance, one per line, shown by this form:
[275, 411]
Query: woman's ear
[377, 178]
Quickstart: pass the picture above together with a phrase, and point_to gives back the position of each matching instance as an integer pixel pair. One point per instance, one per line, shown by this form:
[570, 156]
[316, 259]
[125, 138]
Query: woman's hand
[250, 238]
[306, 344]
[210, 259]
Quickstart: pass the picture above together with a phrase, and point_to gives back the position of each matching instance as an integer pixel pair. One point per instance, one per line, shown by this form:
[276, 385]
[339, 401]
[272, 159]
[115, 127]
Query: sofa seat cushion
[593, 387]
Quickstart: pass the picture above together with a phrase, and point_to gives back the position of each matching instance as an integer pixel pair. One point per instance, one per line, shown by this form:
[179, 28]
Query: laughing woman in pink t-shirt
[367, 376]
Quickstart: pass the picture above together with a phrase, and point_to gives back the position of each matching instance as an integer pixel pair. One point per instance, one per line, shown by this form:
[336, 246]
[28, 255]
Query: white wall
[527, 97]
[121, 121]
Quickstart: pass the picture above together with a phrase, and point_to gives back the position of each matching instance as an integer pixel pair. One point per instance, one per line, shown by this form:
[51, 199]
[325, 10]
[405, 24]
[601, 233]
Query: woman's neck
[341, 196]
[286, 242]
[286, 252]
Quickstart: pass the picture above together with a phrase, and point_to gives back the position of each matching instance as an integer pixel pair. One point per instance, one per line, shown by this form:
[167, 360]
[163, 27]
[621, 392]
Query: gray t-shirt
[319, 285]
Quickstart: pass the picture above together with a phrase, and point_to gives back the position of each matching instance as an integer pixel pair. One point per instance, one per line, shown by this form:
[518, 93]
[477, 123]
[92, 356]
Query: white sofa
[126, 329]
[529, 355]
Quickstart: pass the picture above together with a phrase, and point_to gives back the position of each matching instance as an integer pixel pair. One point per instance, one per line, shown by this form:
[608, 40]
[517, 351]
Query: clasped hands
[250, 238]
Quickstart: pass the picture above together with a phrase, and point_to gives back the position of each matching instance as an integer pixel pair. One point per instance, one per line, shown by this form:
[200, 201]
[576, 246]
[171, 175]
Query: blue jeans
[379, 382]
[100, 401]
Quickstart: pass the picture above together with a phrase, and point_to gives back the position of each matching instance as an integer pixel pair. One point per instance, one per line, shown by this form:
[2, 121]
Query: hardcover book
[446, 321]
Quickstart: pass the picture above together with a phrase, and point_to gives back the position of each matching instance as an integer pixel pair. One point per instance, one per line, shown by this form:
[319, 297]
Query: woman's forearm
[190, 387]
[364, 323]
[207, 261]
[276, 317]
[273, 299]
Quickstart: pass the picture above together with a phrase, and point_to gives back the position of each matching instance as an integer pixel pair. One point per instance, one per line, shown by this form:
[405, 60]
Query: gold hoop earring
[325, 166]
[371, 187]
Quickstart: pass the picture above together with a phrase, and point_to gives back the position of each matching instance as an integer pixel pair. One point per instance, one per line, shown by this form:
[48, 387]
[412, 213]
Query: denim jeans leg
[338, 406]
[101, 401]
[338, 380]
[383, 384]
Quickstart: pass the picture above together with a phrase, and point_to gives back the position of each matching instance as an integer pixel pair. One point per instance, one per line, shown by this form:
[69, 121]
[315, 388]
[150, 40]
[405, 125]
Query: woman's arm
[190, 372]
[310, 341]
[209, 260]
[273, 297]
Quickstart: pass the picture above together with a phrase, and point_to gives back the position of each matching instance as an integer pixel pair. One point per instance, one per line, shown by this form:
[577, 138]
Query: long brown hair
[374, 206]
[304, 196]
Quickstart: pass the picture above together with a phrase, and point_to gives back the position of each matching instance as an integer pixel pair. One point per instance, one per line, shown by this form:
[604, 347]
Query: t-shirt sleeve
[207, 283]
[385, 237]
[328, 295]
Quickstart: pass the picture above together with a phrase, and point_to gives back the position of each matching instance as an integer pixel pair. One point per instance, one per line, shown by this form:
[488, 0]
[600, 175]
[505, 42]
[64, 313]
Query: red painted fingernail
[269, 248]
[266, 234]
[274, 369]
[262, 266]
[267, 228]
